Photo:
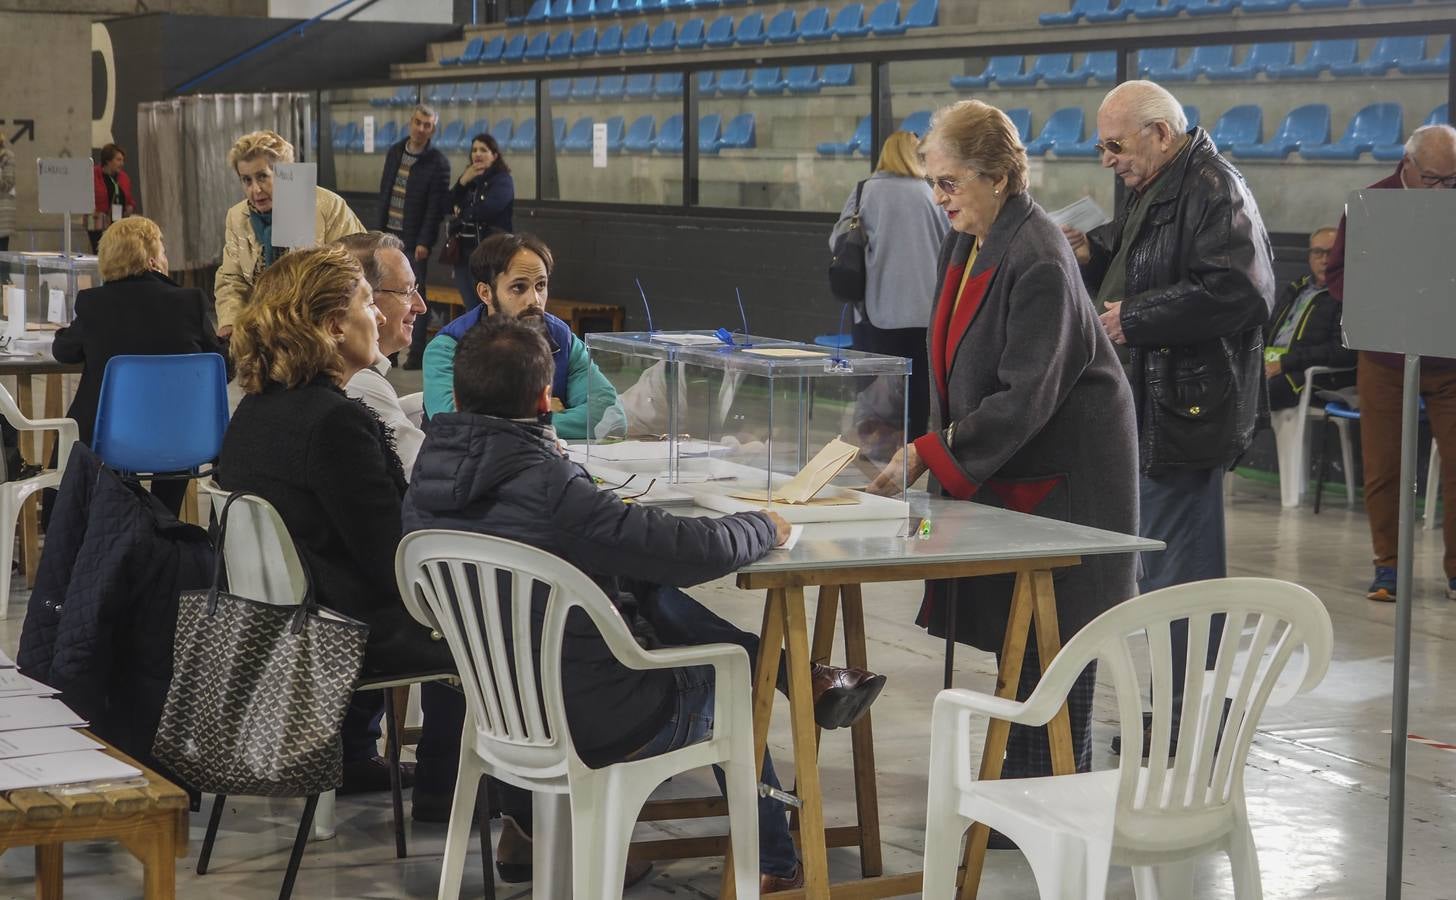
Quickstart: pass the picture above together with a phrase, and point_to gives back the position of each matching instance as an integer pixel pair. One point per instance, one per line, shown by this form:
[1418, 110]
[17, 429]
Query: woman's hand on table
[781, 526]
[887, 483]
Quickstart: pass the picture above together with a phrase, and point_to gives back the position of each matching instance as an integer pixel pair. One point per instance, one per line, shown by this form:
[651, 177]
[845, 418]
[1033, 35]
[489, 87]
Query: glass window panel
[505, 110]
[641, 113]
[381, 114]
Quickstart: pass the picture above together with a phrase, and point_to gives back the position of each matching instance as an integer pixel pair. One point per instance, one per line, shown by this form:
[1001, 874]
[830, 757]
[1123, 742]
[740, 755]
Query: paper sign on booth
[66, 186]
[295, 204]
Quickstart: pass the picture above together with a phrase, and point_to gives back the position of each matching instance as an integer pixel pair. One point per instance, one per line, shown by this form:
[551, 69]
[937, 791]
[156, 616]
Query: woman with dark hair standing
[484, 198]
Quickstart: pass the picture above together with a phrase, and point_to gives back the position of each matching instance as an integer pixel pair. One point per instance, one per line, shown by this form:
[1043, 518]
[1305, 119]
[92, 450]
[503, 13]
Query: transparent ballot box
[50, 282]
[735, 422]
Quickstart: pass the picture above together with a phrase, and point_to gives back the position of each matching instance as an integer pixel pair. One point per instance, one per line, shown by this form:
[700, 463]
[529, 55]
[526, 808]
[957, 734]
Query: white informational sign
[14, 311]
[66, 186]
[295, 204]
[368, 134]
[599, 145]
[56, 308]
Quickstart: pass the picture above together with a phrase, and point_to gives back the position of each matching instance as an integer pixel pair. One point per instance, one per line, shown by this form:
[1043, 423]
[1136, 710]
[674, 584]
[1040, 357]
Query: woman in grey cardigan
[1029, 407]
[903, 228]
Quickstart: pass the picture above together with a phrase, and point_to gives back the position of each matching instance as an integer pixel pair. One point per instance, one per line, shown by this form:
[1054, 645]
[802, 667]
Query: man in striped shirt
[414, 195]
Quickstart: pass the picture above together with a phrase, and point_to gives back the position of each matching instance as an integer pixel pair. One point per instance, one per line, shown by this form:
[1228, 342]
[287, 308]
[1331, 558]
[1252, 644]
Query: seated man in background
[392, 279]
[495, 468]
[1305, 331]
[511, 273]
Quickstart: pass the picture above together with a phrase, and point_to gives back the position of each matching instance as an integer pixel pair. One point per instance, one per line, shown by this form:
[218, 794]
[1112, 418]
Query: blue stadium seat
[1385, 2]
[560, 88]
[735, 2]
[1021, 118]
[1396, 150]
[479, 126]
[720, 33]
[924, 14]
[707, 84]
[486, 91]
[503, 131]
[450, 136]
[558, 130]
[1074, 15]
[668, 84]
[616, 134]
[690, 36]
[997, 69]
[401, 97]
[1259, 59]
[528, 90]
[641, 136]
[464, 93]
[767, 81]
[1052, 66]
[525, 136]
[841, 75]
[802, 80]
[584, 88]
[1306, 126]
[1439, 64]
[473, 52]
[1259, 6]
[1081, 149]
[509, 91]
[609, 43]
[515, 49]
[639, 84]
[1194, 117]
[635, 40]
[664, 37]
[741, 133]
[537, 47]
[1321, 55]
[339, 139]
[1377, 125]
[709, 4]
[670, 135]
[583, 9]
[356, 140]
[1209, 7]
[884, 20]
[611, 87]
[585, 43]
[1207, 59]
[387, 136]
[493, 50]
[859, 141]
[1016, 78]
[1157, 63]
[781, 28]
[1143, 9]
[559, 9]
[849, 21]
[710, 134]
[561, 44]
[917, 123]
[1323, 4]
[440, 94]
[733, 82]
[1063, 128]
[1388, 53]
[676, 5]
[815, 25]
[750, 30]
[538, 12]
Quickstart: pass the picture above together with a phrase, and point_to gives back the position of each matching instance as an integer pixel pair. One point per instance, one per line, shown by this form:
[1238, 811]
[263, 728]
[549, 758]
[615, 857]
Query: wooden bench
[581, 316]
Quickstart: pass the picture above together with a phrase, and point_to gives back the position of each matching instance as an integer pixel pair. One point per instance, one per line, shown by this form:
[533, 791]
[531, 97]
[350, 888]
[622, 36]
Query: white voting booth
[1400, 297]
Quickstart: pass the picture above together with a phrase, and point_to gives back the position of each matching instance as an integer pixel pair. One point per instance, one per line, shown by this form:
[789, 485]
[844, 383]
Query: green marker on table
[923, 532]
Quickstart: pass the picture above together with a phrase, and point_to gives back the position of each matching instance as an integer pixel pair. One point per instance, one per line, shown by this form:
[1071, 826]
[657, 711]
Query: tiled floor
[1317, 776]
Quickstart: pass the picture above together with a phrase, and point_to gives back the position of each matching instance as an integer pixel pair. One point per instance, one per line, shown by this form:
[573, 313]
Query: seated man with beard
[510, 273]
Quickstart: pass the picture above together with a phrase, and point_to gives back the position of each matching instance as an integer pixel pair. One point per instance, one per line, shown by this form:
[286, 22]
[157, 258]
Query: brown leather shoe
[841, 696]
[771, 884]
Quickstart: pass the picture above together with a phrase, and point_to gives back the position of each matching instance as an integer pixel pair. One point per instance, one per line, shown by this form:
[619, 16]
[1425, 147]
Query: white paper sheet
[14, 684]
[40, 741]
[35, 712]
[62, 768]
[1083, 214]
[794, 532]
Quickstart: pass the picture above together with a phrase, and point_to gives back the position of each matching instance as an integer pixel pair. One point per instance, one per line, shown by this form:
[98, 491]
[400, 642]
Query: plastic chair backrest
[801, 77]
[849, 20]
[1003, 66]
[720, 33]
[767, 80]
[161, 414]
[1021, 118]
[259, 556]
[733, 81]
[585, 42]
[486, 91]
[642, 133]
[580, 138]
[584, 88]
[664, 36]
[1064, 126]
[841, 75]
[782, 26]
[616, 130]
[559, 88]
[1101, 64]
[1240, 125]
[610, 87]
[515, 48]
[1192, 115]
[862, 136]
[740, 133]
[1378, 123]
[473, 50]
[885, 16]
[479, 126]
[1308, 125]
[610, 41]
[668, 84]
[639, 84]
[1263, 56]
[1392, 51]
[525, 138]
[670, 135]
[635, 40]
[558, 130]
[539, 10]
[1438, 116]
[504, 129]
[1217, 58]
[710, 132]
[1157, 59]
[1053, 64]
[538, 45]
[924, 14]
[493, 49]
[917, 123]
[690, 36]
[750, 30]
[1332, 52]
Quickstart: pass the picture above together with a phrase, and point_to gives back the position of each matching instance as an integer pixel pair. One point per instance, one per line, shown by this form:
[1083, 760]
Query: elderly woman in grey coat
[1029, 407]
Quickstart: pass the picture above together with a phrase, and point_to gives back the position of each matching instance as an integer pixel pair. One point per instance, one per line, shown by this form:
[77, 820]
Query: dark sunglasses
[1116, 146]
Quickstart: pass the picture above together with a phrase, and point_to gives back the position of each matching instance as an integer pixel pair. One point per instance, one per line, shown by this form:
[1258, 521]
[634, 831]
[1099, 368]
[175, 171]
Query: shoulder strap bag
[847, 265]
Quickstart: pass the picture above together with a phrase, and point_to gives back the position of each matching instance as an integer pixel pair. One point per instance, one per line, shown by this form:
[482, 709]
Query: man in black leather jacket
[1185, 278]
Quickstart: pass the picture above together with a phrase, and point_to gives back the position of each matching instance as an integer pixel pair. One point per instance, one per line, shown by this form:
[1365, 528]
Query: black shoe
[1147, 739]
[367, 776]
[999, 841]
[841, 696]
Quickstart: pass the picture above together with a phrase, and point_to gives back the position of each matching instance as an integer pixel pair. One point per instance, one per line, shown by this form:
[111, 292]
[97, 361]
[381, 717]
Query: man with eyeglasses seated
[1305, 331]
[1184, 278]
[392, 279]
[1429, 162]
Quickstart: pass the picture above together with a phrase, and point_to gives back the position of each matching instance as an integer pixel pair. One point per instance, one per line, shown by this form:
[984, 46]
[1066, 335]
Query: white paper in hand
[1082, 214]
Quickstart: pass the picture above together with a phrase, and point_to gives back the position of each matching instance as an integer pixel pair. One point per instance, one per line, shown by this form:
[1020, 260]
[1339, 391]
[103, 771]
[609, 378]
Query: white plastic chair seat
[1074, 804]
[13, 494]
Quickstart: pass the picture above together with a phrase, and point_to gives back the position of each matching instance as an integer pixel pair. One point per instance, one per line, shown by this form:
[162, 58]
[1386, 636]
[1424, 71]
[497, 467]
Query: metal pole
[1405, 562]
[66, 235]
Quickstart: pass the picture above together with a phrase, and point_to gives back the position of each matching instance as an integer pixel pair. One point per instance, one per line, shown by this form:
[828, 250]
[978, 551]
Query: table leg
[25, 399]
[49, 871]
[862, 740]
[1048, 645]
[819, 652]
[806, 763]
[159, 866]
[54, 387]
[1013, 650]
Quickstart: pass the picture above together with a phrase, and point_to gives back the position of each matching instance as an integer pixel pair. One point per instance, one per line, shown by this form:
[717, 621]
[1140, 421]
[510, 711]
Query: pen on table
[923, 532]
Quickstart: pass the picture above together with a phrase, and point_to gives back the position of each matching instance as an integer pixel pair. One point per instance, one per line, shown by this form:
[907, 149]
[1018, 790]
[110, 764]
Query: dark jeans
[909, 343]
[437, 755]
[95, 237]
[1184, 509]
[465, 284]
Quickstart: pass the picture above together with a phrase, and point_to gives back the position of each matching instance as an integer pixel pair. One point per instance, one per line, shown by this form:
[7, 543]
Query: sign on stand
[66, 186]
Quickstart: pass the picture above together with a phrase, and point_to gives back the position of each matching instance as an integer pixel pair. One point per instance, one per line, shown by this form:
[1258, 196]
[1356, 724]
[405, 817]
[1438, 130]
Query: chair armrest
[955, 702]
[1308, 392]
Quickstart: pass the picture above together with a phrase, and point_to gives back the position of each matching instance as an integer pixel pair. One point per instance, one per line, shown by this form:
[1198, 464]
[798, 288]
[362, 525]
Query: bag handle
[306, 606]
[858, 194]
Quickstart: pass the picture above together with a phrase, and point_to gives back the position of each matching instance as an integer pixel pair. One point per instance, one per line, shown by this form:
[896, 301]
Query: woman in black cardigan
[484, 199]
[327, 464]
[137, 311]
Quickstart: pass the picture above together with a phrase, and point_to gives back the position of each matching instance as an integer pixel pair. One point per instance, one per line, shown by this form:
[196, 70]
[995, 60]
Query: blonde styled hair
[127, 246]
[260, 143]
[983, 139]
[900, 156]
[282, 334]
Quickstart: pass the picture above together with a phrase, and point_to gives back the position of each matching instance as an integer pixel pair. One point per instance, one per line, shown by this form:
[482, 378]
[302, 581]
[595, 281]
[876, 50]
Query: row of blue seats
[1406, 55]
[472, 92]
[752, 31]
[643, 136]
[767, 81]
[559, 10]
[1105, 11]
[917, 123]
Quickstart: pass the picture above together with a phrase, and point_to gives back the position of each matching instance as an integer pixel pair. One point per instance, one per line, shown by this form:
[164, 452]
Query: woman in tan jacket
[247, 246]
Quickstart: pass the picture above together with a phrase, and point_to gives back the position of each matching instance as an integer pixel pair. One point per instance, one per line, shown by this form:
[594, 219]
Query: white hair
[427, 111]
[1148, 102]
[1426, 133]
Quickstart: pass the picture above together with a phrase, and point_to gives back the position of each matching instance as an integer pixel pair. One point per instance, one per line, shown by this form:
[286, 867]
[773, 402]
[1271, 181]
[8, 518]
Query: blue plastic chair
[1260, 57]
[635, 40]
[781, 28]
[579, 139]
[559, 88]
[1388, 53]
[924, 14]
[1074, 15]
[664, 37]
[1157, 63]
[998, 69]
[493, 50]
[1209, 7]
[538, 12]
[859, 141]
[388, 136]
[884, 20]
[1021, 118]
[1396, 149]
[525, 137]
[1377, 125]
[841, 75]
[1063, 128]
[1016, 78]
[162, 415]
[815, 25]
[741, 133]
[1306, 126]
[1439, 64]
[1072, 76]
[1322, 55]
[584, 88]
[453, 132]
[611, 87]
[917, 123]
[503, 131]
[479, 126]
[1143, 9]
[560, 9]
[1193, 116]
[1207, 59]
[1263, 6]
[720, 33]
[767, 81]
[585, 42]
[750, 30]
[558, 131]
[515, 49]
[486, 91]
[707, 84]
[802, 80]
[1052, 66]
[668, 84]
[733, 83]
[356, 140]
[1324, 4]
[440, 94]
[341, 132]
[642, 135]
[561, 44]
[609, 42]
[509, 91]
[639, 84]
[670, 136]
[473, 52]
[849, 21]
[690, 36]
[536, 48]
[1078, 149]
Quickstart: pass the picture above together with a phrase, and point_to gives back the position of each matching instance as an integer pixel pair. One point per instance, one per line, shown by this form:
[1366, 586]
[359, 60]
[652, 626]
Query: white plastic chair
[1157, 815]
[413, 406]
[13, 494]
[479, 590]
[1291, 442]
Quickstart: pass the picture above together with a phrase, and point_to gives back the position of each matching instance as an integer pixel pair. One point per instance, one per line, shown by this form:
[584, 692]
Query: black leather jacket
[1200, 284]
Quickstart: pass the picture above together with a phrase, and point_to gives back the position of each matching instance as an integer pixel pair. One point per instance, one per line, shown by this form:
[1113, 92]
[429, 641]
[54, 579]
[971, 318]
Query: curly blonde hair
[260, 143]
[127, 247]
[282, 334]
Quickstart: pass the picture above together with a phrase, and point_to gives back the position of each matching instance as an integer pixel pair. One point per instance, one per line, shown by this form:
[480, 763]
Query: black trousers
[1028, 751]
[909, 343]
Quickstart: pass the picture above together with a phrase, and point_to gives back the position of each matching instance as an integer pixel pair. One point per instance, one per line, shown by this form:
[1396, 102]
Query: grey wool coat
[1040, 411]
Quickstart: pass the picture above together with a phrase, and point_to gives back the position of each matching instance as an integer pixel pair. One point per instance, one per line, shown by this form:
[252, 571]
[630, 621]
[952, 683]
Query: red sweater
[103, 194]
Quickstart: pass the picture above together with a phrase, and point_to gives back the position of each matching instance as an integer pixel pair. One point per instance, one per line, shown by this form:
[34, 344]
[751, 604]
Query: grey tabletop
[960, 532]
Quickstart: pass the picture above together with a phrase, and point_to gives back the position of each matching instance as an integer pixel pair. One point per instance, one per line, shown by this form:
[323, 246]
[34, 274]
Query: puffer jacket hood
[483, 454]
